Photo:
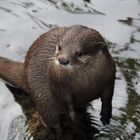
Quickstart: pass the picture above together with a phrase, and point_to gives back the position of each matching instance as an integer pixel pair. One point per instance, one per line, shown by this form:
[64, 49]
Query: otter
[65, 69]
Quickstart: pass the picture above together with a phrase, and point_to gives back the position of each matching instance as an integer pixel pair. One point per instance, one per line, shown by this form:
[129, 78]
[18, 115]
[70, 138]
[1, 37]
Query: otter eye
[59, 48]
[78, 53]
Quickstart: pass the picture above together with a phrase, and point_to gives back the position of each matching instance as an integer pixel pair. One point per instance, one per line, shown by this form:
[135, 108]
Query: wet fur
[57, 91]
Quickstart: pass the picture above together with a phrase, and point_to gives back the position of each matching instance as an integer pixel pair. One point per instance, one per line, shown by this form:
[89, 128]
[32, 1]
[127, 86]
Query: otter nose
[63, 61]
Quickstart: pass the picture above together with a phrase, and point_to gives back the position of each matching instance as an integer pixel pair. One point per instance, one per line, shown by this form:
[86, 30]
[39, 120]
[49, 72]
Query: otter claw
[105, 121]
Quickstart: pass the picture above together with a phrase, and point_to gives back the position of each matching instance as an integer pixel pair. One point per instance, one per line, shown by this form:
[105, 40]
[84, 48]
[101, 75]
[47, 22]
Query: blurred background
[22, 21]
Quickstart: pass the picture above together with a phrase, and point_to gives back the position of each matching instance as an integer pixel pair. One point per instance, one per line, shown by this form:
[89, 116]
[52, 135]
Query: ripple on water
[12, 119]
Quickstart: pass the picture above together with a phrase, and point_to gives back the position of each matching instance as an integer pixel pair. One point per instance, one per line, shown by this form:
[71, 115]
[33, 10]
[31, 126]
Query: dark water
[21, 22]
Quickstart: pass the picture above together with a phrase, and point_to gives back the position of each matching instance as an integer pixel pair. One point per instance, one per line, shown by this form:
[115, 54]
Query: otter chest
[84, 93]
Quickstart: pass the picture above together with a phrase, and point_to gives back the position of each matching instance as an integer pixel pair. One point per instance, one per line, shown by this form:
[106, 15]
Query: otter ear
[100, 46]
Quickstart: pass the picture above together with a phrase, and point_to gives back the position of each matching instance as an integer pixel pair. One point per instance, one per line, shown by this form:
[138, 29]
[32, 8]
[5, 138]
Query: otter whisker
[51, 58]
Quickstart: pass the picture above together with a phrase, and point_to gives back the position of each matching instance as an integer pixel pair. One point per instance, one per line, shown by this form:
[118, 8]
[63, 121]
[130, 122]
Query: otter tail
[13, 73]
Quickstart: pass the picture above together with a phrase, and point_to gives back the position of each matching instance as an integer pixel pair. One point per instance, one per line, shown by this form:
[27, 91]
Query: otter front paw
[105, 117]
[105, 120]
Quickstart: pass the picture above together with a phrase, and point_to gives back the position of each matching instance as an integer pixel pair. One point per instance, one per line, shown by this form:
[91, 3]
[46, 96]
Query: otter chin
[65, 69]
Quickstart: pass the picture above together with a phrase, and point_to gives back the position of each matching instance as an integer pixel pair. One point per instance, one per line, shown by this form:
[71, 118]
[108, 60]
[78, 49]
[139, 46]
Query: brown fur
[13, 73]
[58, 90]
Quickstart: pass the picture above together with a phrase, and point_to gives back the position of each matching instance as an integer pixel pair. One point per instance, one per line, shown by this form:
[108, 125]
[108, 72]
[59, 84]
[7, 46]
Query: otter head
[78, 46]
